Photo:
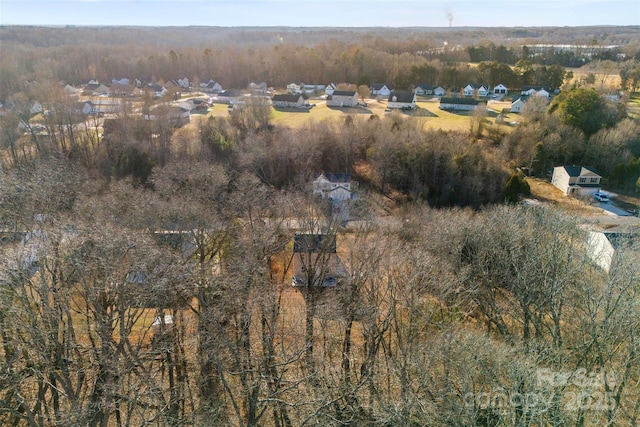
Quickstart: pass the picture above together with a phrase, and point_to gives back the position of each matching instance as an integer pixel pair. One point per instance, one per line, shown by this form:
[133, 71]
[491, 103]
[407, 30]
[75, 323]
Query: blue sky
[320, 13]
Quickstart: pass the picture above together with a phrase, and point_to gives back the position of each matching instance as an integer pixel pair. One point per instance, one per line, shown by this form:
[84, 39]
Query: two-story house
[342, 98]
[315, 261]
[403, 100]
[381, 89]
[576, 180]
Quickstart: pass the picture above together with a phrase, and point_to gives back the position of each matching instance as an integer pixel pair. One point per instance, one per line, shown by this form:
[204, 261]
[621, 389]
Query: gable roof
[286, 97]
[575, 171]
[465, 101]
[401, 96]
[344, 92]
[335, 177]
[378, 86]
[536, 88]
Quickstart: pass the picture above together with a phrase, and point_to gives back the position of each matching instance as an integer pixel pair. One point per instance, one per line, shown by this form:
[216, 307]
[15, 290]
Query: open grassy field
[634, 105]
[427, 111]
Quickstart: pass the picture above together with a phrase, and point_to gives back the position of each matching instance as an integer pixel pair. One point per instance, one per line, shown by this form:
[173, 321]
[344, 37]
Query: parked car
[601, 197]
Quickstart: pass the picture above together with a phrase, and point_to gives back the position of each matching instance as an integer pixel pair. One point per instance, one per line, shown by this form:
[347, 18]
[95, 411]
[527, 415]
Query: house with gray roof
[576, 180]
[342, 98]
[402, 100]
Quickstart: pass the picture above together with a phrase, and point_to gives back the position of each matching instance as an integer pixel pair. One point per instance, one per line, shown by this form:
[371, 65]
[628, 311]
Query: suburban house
[231, 96]
[211, 87]
[402, 99]
[106, 106]
[71, 91]
[295, 88]
[518, 104]
[289, 100]
[309, 89]
[460, 104]
[197, 104]
[602, 246]
[182, 83]
[471, 90]
[176, 114]
[381, 89]
[328, 90]
[343, 98]
[534, 91]
[118, 89]
[123, 81]
[258, 88]
[335, 186]
[157, 91]
[87, 108]
[439, 91]
[96, 89]
[84, 83]
[316, 261]
[576, 180]
[423, 89]
[500, 90]
[36, 107]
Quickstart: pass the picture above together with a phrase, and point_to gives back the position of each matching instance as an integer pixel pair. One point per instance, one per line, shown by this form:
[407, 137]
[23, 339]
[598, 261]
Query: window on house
[582, 180]
[594, 180]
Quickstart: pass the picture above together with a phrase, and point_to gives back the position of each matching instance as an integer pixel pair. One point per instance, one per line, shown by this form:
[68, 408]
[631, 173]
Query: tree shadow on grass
[292, 110]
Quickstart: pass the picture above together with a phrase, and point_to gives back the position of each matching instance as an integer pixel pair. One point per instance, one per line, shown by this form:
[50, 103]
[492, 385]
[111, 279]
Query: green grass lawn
[634, 105]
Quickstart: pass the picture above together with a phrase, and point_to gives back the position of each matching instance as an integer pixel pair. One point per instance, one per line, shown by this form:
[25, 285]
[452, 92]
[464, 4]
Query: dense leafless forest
[163, 275]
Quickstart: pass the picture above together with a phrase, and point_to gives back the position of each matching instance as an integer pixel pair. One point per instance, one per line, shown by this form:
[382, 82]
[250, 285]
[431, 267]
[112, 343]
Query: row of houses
[344, 98]
[384, 90]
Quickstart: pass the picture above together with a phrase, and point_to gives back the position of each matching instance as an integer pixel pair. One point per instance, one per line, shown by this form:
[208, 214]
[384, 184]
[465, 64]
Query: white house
[258, 88]
[176, 114]
[309, 89]
[439, 91]
[295, 88]
[106, 106]
[381, 89]
[335, 186]
[123, 81]
[231, 96]
[576, 180]
[517, 105]
[71, 91]
[157, 91]
[423, 89]
[500, 89]
[404, 100]
[534, 90]
[329, 89]
[88, 108]
[470, 90]
[35, 108]
[211, 87]
[290, 100]
[183, 83]
[602, 246]
[343, 98]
